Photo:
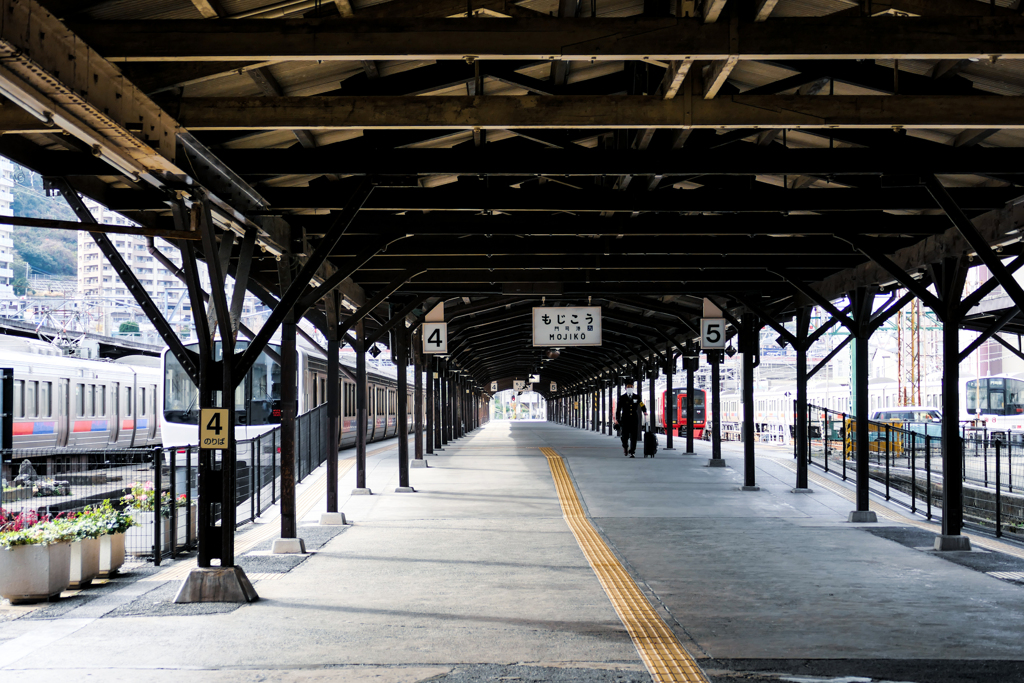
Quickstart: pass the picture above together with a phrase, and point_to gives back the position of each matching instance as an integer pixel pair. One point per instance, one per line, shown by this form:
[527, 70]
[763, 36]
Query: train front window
[254, 396]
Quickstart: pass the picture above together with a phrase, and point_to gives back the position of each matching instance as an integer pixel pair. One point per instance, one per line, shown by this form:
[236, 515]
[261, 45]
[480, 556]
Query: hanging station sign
[568, 326]
[518, 384]
[435, 338]
[554, 387]
[494, 386]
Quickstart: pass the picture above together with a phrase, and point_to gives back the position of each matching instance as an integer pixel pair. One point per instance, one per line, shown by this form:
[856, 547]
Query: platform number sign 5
[213, 428]
[435, 338]
[712, 333]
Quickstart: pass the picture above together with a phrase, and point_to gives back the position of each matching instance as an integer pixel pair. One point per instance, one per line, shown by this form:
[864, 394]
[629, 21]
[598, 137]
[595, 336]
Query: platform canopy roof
[497, 155]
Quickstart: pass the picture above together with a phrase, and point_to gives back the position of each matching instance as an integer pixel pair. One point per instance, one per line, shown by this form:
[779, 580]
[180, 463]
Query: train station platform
[537, 552]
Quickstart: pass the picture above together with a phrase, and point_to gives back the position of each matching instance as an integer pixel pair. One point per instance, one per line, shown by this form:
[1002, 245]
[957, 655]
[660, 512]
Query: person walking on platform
[627, 419]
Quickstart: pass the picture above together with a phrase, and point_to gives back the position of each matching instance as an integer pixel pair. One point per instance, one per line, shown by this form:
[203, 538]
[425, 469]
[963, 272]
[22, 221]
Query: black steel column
[417, 391]
[803, 320]
[289, 397]
[401, 347]
[749, 340]
[862, 299]
[361, 412]
[334, 416]
[691, 366]
[445, 408]
[670, 402]
[716, 408]
[435, 402]
[952, 449]
[653, 402]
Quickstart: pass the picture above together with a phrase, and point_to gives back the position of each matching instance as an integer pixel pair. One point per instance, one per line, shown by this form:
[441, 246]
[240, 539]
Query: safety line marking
[883, 511]
[662, 654]
[304, 504]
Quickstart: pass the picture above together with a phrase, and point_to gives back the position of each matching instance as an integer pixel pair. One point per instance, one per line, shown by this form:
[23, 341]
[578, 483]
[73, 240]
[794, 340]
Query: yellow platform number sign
[213, 428]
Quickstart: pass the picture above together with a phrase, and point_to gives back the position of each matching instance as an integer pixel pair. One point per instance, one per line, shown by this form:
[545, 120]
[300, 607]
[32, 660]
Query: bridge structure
[360, 164]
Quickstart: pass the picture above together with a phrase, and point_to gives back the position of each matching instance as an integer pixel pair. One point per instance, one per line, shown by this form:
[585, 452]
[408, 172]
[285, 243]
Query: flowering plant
[29, 528]
[143, 499]
[104, 519]
[181, 501]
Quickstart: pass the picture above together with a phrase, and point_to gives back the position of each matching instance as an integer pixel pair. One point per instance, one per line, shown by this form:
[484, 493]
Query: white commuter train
[258, 396]
[79, 404]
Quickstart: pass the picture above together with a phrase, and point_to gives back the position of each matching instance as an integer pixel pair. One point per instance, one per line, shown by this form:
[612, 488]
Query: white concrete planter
[139, 539]
[181, 516]
[32, 573]
[85, 562]
[111, 554]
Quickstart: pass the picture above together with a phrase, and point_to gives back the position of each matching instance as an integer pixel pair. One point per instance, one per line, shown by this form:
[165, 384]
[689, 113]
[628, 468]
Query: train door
[150, 411]
[63, 411]
[115, 413]
[129, 411]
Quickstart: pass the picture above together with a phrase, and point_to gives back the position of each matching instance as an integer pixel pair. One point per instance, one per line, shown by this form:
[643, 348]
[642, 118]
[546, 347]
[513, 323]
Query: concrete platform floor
[477, 577]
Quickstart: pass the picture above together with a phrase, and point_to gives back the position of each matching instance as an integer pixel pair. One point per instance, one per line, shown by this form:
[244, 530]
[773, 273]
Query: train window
[19, 398]
[142, 401]
[79, 400]
[128, 403]
[31, 409]
[101, 400]
[90, 404]
[45, 405]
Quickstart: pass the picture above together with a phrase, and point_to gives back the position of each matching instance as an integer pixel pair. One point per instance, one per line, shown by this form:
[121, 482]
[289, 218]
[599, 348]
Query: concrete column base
[862, 516]
[418, 463]
[216, 584]
[716, 462]
[405, 489]
[952, 543]
[668, 449]
[750, 488]
[361, 492]
[289, 546]
[332, 519]
[802, 490]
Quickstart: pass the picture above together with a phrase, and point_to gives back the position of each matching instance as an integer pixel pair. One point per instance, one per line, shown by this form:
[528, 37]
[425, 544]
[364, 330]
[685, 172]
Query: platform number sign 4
[435, 338]
[712, 333]
[213, 428]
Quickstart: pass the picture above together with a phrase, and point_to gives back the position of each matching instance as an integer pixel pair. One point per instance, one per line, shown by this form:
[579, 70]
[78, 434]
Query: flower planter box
[16, 494]
[139, 539]
[33, 573]
[111, 554]
[182, 517]
[85, 562]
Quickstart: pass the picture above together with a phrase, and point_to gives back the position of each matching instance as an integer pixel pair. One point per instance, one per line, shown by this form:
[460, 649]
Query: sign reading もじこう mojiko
[569, 326]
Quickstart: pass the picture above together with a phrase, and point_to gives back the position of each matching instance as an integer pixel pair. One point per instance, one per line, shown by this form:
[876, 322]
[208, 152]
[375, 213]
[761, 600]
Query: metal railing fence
[905, 467]
[64, 481]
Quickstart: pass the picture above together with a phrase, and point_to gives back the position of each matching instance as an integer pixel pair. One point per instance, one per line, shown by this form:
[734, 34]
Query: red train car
[699, 411]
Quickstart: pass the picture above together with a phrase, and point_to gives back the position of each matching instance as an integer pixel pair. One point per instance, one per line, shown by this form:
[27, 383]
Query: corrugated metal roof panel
[810, 8]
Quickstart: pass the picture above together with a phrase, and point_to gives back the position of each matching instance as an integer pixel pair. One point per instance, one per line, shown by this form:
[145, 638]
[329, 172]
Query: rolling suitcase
[650, 444]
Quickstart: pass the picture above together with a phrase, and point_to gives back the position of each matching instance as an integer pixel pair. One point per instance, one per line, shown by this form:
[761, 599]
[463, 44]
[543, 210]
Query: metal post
[669, 405]
[403, 402]
[289, 398]
[716, 433]
[334, 417]
[862, 299]
[361, 411]
[429, 362]
[445, 396]
[691, 364]
[999, 499]
[803, 318]
[417, 392]
[928, 473]
[749, 342]
[952, 456]
[653, 402]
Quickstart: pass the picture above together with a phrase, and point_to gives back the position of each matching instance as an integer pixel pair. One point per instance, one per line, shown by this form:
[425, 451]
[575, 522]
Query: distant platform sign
[554, 386]
[494, 386]
[569, 326]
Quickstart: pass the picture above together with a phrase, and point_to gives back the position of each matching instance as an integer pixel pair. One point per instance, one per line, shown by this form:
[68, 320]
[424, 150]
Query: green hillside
[45, 250]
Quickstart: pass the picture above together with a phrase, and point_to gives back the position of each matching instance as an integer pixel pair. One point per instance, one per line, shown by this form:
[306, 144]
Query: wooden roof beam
[613, 111]
[657, 39]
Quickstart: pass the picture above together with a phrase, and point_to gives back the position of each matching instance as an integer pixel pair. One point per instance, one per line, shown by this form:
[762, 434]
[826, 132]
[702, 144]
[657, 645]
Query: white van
[907, 414]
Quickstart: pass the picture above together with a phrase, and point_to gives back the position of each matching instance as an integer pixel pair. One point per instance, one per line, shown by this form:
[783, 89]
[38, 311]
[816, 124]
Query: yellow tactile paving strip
[304, 504]
[664, 656]
[883, 511]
